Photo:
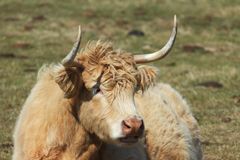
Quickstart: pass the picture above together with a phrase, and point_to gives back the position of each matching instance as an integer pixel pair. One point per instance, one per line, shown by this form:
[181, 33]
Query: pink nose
[133, 127]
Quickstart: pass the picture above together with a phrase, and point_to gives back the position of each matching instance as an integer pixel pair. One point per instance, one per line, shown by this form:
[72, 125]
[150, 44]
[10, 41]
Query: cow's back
[171, 129]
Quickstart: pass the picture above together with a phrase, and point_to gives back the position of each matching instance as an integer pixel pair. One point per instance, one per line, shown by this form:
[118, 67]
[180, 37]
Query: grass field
[204, 64]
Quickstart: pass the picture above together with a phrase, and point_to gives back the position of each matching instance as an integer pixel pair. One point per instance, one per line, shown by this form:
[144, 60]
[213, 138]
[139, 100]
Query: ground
[204, 64]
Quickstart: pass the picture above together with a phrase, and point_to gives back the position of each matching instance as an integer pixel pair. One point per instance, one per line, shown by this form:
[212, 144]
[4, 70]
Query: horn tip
[79, 28]
[175, 20]
[79, 32]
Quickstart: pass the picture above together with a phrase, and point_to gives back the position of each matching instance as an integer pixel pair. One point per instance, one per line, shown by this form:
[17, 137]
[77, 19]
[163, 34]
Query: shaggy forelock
[119, 68]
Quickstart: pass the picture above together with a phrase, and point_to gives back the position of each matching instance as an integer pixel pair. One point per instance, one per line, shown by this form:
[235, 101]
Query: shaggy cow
[93, 102]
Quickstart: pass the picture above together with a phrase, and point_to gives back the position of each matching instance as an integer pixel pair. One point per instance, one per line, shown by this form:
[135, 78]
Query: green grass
[37, 32]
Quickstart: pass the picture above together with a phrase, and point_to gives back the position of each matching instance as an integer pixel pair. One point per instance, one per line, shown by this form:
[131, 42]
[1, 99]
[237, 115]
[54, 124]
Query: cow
[97, 103]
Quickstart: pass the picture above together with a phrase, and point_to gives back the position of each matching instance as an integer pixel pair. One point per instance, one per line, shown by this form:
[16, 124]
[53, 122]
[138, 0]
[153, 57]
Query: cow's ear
[147, 76]
[68, 80]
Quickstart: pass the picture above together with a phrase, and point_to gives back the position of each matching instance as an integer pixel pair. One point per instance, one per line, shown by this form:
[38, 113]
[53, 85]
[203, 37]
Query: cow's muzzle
[133, 129]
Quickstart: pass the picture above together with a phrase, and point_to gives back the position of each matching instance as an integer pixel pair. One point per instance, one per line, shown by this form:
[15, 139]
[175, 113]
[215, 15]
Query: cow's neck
[84, 144]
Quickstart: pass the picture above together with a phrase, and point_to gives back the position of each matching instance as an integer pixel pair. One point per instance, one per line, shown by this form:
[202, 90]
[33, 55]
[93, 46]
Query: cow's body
[51, 132]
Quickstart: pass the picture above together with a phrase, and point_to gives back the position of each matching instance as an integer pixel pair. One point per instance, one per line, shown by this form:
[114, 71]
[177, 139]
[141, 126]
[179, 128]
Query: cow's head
[105, 81]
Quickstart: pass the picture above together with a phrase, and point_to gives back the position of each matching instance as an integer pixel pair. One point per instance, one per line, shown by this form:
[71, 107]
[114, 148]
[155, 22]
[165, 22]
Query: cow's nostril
[125, 124]
[141, 129]
[142, 125]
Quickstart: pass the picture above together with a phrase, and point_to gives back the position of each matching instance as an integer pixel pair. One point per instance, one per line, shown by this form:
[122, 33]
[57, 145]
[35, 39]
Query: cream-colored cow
[95, 104]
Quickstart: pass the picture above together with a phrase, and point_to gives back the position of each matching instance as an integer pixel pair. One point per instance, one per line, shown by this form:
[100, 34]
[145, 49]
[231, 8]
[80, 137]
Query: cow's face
[111, 79]
[105, 85]
[104, 81]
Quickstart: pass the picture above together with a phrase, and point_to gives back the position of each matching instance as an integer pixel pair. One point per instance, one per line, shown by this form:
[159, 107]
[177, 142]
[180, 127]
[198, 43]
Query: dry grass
[207, 49]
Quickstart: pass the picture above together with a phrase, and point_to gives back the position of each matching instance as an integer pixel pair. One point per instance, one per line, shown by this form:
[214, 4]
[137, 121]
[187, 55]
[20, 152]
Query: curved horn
[162, 52]
[68, 61]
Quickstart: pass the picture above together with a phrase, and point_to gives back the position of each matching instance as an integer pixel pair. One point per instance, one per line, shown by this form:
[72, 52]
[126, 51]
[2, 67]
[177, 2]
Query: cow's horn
[162, 52]
[68, 61]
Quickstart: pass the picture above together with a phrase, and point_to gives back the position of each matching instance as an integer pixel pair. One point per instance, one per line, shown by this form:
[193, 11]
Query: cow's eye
[137, 87]
[96, 89]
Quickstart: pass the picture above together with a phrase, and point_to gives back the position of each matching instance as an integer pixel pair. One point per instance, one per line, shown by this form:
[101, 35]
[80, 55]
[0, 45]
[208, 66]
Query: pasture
[204, 64]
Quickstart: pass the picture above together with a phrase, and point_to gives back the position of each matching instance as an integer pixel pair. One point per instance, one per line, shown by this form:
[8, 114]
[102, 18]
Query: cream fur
[46, 128]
